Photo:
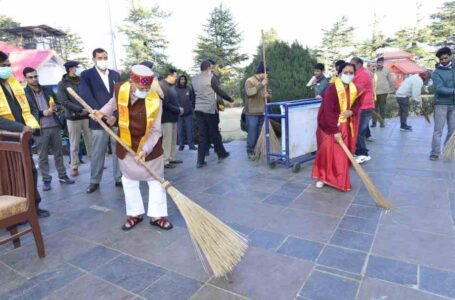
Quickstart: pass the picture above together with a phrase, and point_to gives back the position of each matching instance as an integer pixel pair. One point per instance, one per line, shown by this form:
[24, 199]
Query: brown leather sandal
[131, 222]
[162, 223]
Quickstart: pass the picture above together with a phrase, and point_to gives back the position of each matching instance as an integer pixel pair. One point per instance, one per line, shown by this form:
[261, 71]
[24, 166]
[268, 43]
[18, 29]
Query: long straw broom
[223, 247]
[377, 196]
[275, 145]
[449, 149]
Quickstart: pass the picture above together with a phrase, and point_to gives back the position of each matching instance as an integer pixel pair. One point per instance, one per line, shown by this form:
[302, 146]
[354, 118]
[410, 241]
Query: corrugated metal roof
[405, 66]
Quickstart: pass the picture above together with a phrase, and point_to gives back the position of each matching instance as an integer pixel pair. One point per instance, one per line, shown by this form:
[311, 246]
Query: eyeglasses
[32, 77]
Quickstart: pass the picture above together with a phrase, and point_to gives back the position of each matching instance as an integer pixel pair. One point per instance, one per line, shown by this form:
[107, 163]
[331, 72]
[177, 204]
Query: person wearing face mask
[76, 116]
[364, 85]
[97, 88]
[171, 112]
[444, 99]
[386, 86]
[17, 115]
[337, 119]
[140, 110]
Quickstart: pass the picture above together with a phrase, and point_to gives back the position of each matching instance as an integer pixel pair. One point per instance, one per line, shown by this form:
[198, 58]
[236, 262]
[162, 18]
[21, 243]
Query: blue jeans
[253, 126]
[361, 145]
[442, 114]
[187, 122]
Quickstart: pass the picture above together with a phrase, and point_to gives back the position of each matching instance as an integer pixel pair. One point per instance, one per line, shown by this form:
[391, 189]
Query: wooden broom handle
[163, 182]
[348, 153]
[264, 62]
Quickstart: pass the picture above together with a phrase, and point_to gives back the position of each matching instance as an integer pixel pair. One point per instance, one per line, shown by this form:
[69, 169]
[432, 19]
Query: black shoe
[405, 128]
[177, 161]
[47, 186]
[42, 213]
[382, 126]
[65, 180]
[81, 161]
[119, 184]
[373, 125]
[92, 187]
[434, 157]
[193, 147]
[169, 166]
[200, 165]
[181, 148]
[224, 156]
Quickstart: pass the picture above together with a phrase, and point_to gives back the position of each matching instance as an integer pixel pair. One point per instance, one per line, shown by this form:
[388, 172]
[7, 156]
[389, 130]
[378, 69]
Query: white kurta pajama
[133, 172]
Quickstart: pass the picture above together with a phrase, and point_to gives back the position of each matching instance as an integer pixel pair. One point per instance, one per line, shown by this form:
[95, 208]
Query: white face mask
[347, 78]
[102, 64]
[141, 94]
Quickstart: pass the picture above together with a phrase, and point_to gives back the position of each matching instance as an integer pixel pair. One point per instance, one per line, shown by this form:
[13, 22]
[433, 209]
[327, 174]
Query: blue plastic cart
[285, 108]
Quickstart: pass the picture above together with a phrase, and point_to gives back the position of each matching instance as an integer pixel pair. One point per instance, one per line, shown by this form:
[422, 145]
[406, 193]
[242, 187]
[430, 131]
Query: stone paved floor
[305, 243]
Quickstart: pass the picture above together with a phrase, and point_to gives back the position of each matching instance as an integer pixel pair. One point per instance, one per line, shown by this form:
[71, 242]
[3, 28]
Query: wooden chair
[17, 189]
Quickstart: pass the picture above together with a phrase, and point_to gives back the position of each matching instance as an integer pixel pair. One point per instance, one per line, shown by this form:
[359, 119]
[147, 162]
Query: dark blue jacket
[94, 92]
[444, 84]
[38, 114]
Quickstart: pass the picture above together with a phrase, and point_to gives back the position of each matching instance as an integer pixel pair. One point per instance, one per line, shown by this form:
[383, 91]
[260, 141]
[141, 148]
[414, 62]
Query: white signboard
[303, 122]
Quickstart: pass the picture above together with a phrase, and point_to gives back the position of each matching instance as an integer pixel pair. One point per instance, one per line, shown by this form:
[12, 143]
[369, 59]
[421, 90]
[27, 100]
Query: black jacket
[47, 94]
[185, 96]
[19, 123]
[72, 107]
[171, 107]
[94, 92]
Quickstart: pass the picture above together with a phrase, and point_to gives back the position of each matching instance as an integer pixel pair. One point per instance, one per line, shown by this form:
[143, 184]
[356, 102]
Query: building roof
[397, 55]
[33, 31]
[21, 58]
[405, 66]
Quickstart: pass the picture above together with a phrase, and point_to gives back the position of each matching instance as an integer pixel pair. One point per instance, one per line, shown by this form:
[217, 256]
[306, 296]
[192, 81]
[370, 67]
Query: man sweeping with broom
[256, 92]
[140, 127]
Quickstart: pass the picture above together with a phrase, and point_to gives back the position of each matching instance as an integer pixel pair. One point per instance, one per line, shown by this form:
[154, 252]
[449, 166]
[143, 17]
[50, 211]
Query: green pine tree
[72, 48]
[443, 25]
[336, 43]
[368, 48]
[6, 23]
[290, 68]
[144, 33]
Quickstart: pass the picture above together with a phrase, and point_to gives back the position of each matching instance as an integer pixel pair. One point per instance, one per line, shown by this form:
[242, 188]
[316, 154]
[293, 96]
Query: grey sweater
[206, 88]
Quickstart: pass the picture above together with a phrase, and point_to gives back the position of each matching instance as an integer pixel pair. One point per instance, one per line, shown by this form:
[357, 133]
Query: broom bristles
[449, 149]
[275, 144]
[377, 196]
[222, 246]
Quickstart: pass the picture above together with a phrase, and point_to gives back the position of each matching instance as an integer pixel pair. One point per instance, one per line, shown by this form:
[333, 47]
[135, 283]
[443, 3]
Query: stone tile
[44, 284]
[26, 261]
[172, 286]
[415, 247]
[303, 224]
[90, 287]
[254, 279]
[247, 194]
[392, 270]
[209, 292]
[129, 273]
[437, 281]
[343, 259]
[302, 249]
[427, 219]
[372, 288]
[9, 279]
[265, 239]
[359, 224]
[353, 240]
[83, 214]
[94, 258]
[245, 230]
[278, 199]
[452, 205]
[322, 203]
[338, 272]
[324, 286]
[363, 211]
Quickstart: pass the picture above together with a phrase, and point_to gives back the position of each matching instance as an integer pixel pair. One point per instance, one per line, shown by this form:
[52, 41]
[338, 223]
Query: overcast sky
[294, 20]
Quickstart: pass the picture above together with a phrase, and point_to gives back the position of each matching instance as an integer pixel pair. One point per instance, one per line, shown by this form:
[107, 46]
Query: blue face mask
[347, 78]
[5, 72]
[78, 71]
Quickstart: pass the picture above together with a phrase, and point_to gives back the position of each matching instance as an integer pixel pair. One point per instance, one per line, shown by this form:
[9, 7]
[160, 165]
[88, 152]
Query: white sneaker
[319, 184]
[362, 159]
[366, 158]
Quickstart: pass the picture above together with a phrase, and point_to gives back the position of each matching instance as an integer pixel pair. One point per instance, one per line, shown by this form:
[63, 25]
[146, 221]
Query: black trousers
[208, 132]
[403, 102]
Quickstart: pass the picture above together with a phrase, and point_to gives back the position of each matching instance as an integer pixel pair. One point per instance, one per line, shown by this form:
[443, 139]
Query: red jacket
[364, 84]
